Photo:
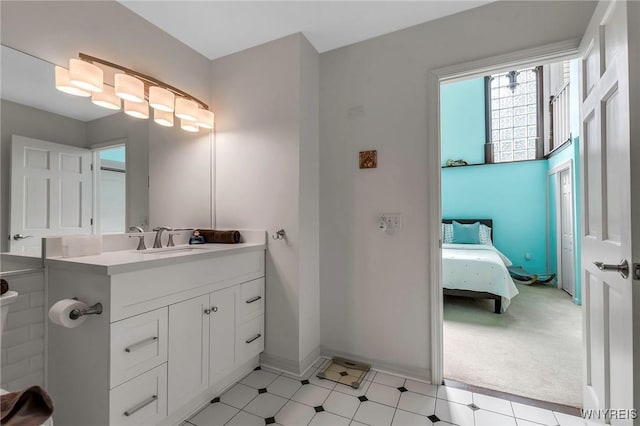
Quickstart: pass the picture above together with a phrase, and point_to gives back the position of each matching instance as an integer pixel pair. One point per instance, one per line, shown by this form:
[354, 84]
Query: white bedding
[477, 267]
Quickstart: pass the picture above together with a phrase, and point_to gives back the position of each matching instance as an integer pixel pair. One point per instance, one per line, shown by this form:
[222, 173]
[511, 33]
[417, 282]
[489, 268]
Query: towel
[220, 237]
[4, 286]
[29, 407]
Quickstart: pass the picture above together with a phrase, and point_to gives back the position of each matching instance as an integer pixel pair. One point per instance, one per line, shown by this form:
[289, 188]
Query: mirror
[46, 125]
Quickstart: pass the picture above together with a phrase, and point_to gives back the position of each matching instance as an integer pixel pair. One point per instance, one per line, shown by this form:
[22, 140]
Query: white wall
[374, 292]
[266, 177]
[17, 119]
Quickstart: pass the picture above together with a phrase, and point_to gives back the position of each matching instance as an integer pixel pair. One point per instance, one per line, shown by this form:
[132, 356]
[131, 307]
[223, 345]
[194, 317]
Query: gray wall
[17, 119]
[374, 292]
[267, 178]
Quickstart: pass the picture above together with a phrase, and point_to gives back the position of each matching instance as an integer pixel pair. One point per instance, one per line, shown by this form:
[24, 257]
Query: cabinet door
[223, 333]
[188, 350]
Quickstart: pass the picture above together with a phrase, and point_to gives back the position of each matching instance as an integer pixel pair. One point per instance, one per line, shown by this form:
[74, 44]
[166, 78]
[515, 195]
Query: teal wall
[463, 102]
[513, 195]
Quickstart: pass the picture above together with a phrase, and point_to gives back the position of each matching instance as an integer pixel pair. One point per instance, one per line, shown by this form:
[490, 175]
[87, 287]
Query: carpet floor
[532, 350]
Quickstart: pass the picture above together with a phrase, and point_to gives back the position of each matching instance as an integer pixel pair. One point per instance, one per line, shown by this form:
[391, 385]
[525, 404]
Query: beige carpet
[534, 349]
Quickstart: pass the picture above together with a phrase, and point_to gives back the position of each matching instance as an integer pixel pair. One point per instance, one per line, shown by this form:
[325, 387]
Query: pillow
[485, 235]
[466, 234]
[447, 233]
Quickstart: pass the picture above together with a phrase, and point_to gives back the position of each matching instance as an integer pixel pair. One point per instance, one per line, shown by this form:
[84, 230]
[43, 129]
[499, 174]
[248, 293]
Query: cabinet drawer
[250, 339]
[251, 300]
[137, 345]
[140, 401]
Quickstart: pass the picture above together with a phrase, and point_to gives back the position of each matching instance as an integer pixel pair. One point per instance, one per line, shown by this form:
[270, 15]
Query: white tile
[351, 391]
[522, 422]
[265, 405]
[214, 415]
[329, 384]
[341, 404]
[294, 414]
[455, 413]
[259, 379]
[534, 414]
[388, 379]
[284, 387]
[421, 387]
[372, 413]
[383, 394]
[325, 418]
[245, 419]
[405, 418]
[460, 396]
[416, 403]
[354, 423]
[239, 395]
[311, 395]
[494, 404]
[568, 420]
[489, 418]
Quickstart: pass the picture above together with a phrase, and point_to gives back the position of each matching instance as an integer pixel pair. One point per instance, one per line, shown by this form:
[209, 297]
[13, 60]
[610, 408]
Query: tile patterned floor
[267, 397]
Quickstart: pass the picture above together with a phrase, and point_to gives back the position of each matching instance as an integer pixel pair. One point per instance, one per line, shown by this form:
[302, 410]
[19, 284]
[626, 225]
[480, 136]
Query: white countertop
[116, 262]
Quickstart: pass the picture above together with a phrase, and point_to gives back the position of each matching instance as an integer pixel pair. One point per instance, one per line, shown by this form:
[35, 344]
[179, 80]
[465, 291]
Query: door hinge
[91, 221]
[91, 166]
[636, 271]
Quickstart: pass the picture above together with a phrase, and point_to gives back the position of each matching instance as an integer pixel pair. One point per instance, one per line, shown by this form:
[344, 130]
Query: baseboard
[288, 366]
[421, 374]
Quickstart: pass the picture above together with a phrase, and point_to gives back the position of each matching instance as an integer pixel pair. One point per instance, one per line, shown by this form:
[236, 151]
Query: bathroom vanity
[177, 327]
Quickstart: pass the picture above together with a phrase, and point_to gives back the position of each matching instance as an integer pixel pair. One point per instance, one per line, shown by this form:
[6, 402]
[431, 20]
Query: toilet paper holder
[95, 309]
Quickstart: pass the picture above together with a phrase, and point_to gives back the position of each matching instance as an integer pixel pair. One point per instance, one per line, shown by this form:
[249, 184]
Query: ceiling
[31, 81]
[218, 28]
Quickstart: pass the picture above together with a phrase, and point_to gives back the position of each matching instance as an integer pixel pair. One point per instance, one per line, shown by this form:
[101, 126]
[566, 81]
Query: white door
[606, 230]
[188, 350]
[222, 343]
[566, 232]
[51, 190]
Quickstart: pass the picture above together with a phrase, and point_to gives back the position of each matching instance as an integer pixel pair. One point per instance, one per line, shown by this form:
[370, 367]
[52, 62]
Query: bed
[477, 270]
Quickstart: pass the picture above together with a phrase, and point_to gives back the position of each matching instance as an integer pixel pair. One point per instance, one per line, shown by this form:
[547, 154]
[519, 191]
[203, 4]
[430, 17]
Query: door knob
[21, 237]
[207, 311]
[214, 309]
[622, 268]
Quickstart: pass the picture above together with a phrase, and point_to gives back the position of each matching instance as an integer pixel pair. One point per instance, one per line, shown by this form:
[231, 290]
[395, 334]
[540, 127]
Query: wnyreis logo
[609, 414]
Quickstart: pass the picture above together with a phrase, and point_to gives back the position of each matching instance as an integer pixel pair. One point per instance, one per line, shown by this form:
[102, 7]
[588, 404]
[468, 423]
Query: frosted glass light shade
[161, 99]
[188, 125]
[129, 88]
[136, 109]
[64, 85]
[205, 119]
[107, 98]
[186, 109]
[163, 118]
[85, 75]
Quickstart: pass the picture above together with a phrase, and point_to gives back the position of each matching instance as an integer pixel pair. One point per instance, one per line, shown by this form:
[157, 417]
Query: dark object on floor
[29, 407]
[220, 237]
[476, 295]
[4, 286]
[456, 163]
[524, 277]
[340, 370]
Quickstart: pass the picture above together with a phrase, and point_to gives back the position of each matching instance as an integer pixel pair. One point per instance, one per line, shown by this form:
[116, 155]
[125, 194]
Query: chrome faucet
[157, 243]
[141, 245]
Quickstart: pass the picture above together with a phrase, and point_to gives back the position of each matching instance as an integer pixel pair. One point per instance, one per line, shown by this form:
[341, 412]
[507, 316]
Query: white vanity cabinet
[173, 334]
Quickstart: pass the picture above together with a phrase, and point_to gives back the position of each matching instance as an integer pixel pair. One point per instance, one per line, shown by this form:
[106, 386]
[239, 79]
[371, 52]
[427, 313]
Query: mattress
[477, 267]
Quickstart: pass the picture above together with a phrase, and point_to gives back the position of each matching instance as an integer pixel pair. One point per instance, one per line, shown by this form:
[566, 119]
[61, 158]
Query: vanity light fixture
[107, 98]
[85, 75]
[139, 91]
[136, 109]
[64, 85]
[161, 99]
[163, 118]
[205, 118]
[188, 125]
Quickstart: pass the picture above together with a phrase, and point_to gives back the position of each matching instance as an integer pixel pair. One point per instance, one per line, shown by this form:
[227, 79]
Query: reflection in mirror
[48, 187]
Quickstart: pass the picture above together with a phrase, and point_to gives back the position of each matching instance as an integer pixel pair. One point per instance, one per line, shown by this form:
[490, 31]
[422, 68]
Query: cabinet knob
[214, 308]
[207, 311]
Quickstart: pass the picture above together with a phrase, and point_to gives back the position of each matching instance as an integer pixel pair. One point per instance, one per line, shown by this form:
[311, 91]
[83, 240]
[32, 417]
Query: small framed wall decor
[368, 159]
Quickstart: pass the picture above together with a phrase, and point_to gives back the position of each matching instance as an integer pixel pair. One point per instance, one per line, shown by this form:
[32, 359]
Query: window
[513, 109]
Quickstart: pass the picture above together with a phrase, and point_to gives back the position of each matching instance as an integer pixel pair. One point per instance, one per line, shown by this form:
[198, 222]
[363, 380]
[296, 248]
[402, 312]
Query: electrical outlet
[393, 220]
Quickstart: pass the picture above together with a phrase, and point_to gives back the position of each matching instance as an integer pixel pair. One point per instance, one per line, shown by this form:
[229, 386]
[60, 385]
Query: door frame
[548, 53]
[555, 174]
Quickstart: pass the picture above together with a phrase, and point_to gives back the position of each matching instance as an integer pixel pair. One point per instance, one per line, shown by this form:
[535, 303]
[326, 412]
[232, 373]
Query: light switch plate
[393, 220]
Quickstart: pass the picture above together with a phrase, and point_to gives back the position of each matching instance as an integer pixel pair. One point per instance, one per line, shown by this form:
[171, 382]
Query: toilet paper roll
[59, 313]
